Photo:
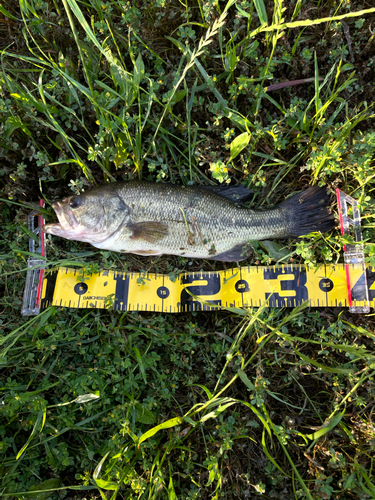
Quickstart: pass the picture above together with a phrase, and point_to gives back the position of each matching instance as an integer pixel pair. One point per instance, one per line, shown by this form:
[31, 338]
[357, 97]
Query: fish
[199, 222]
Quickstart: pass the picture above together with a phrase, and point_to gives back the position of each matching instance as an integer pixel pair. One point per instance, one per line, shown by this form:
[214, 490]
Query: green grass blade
[323, 367]
[311, 22]
[246, 380]
[140, 363]
[269, 456]
[318, 102]
[38, 426]
[217, 411]
[6, 13]
[168, 424]
[171, 491]
[327, 427]
[73, 5]
[261, 11]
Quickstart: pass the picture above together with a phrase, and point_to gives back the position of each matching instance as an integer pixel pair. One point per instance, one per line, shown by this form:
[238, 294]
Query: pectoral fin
[148, 231]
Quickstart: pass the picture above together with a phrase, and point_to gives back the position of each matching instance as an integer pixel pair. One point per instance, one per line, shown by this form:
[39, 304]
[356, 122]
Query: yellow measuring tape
[252, 286]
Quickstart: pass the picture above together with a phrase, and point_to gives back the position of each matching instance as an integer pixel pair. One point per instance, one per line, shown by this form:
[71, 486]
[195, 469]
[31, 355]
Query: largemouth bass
[191, 221]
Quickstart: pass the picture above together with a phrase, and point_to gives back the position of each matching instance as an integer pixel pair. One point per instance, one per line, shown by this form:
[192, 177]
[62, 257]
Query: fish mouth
[66, 218]
[67, 224]
[69, 228]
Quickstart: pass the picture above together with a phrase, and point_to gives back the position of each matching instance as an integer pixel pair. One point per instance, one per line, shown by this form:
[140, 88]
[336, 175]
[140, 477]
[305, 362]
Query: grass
[227, 404]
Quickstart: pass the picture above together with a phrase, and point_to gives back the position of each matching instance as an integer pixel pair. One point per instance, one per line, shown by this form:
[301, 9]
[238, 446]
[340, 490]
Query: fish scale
[180, 208]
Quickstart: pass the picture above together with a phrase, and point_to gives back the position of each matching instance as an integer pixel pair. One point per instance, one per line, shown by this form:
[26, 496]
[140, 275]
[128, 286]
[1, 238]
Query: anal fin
[147, 253]
[235, 254]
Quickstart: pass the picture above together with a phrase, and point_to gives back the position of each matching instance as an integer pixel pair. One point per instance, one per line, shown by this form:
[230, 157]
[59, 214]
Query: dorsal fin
[236, 193]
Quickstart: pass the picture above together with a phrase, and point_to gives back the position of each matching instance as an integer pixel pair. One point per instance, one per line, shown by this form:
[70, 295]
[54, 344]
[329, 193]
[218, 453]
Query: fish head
[91, 217]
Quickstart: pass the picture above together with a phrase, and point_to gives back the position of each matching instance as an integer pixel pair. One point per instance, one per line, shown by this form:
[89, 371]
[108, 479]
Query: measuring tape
[345, 285]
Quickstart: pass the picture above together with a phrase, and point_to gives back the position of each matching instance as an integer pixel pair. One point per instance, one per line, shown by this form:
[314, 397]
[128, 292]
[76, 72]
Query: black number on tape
[242, 286]
[297, 285]
[81, 288]
[162, 292]
[121, 292]
[326, 285]
[370, 271]
[212, 287]
[50, 288]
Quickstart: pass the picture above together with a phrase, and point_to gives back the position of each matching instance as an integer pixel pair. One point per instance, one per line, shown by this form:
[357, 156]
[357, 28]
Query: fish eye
[74, 203]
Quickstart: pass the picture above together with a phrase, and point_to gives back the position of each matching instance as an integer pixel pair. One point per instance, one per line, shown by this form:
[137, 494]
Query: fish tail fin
[308, 212]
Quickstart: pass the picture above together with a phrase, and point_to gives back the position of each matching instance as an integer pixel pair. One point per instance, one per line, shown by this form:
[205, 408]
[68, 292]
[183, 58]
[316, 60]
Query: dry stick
[198, 229]
[191, 240]
[291, 83]
[345, 28]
